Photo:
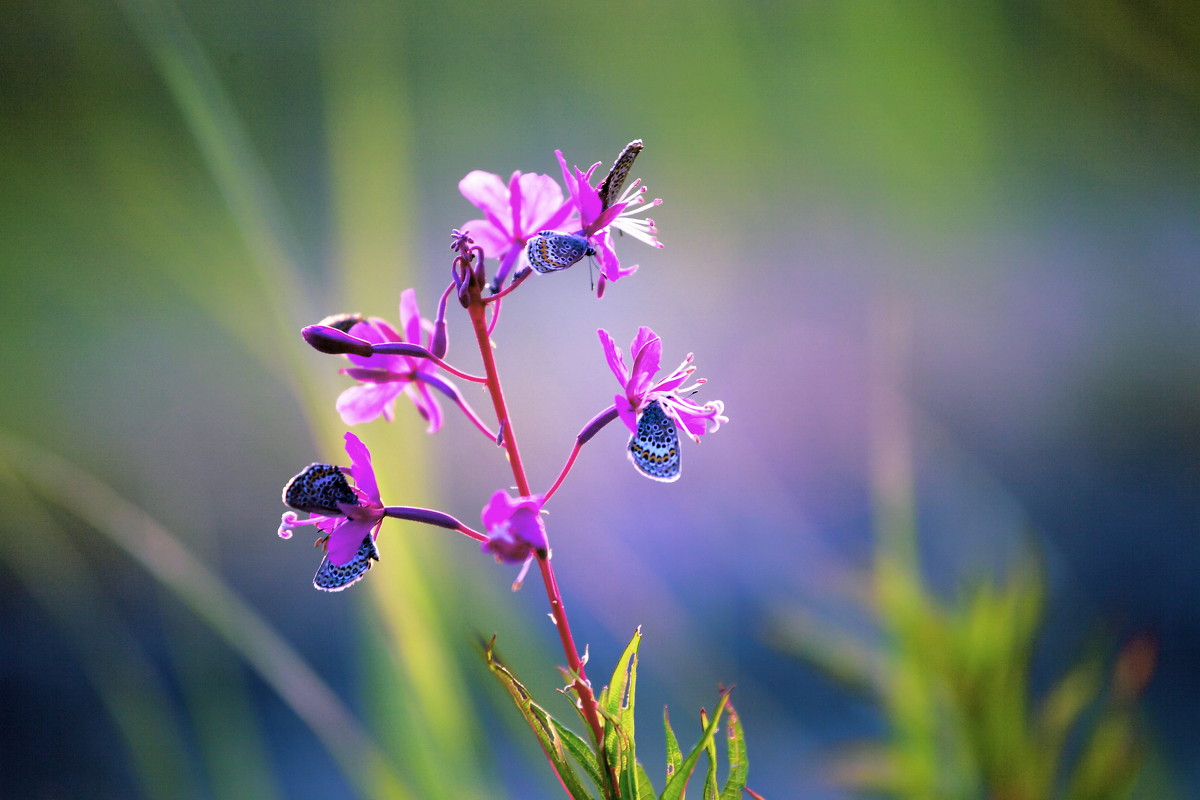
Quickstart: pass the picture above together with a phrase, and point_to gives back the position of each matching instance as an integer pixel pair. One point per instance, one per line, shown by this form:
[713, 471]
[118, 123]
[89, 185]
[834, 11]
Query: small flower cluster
[528, 226]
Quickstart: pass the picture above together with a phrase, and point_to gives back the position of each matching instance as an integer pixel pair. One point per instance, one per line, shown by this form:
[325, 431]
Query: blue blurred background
[986, 210]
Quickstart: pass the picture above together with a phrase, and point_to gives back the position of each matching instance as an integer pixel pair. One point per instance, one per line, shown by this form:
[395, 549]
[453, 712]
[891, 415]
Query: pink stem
[591, 429]
[517, 282]
[583, 687]
[405, 349]
[562, 475]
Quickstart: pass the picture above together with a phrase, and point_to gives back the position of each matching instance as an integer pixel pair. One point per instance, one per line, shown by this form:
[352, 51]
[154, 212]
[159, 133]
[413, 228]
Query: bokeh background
[933, 256]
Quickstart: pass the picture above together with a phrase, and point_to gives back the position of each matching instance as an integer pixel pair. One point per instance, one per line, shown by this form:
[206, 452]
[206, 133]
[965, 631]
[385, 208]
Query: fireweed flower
[383, 377]
[348, 516]
[515, 530]
[603, 207]
[512, 214]
[641, 389]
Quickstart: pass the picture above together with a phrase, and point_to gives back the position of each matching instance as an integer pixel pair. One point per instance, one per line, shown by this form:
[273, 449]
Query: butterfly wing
[654, 449]
[330, 578]
[550, 251]
[614, 182]
[318, 490]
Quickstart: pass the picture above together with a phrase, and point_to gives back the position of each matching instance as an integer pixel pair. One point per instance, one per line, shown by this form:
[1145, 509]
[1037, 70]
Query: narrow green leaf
[710, 748]
[739, 767]
[614, 694]
[617, 705]
[645, 785]
[542, 725]
[674, 756]
[582, 753]
[629, 766]
[678, 783]
[1061, 711]
[629, 784]
[616, 748]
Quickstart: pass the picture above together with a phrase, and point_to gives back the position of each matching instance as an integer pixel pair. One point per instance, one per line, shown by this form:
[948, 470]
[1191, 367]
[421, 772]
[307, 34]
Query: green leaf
[613, 696]
[617, 705]
[582, 753]
[674, 756]
[678, 783]
[710, 778]
[645, 785]
[543, 726]
[1061, 712]
[739, 767]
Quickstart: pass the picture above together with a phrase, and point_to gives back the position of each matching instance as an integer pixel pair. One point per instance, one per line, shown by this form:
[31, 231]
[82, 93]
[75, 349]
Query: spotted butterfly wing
[654, 449]
[318, 490]
[330, 578]
[550, 251]
[614, 182]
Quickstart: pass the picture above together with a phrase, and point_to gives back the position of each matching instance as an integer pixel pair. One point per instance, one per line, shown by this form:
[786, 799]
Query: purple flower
[514, 527]
[346, 514]
[640, 387]
[512, 213]
[597, 221]
[383, 377]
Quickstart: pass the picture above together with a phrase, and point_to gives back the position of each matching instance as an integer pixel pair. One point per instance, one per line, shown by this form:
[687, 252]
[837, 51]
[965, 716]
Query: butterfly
[654, 449]
[614, 182]
[550, 251]
[319, 489]
[331, 578]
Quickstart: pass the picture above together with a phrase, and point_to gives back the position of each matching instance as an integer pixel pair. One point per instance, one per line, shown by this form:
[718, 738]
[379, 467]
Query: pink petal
[344, 541]
[590, 206]
[647, 349]
[494, 239]
[606, 257]
[542, 200]
[694, 425]
[498, 509]
[374, 375]
[367, 401]
[626, 412]
[410, 316]
[569, 179]
[616, 359]
[527, 525]
[426, 404]
[486, 191]
[360, 464]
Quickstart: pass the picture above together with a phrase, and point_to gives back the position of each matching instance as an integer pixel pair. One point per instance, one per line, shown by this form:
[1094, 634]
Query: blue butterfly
[550, 251]
[330, 578]
[654, 449]
[321, 489]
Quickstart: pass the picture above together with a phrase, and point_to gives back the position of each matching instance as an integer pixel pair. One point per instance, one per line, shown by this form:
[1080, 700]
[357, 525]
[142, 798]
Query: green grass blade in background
[367, 151]
[229, 153]
[126, 681]
[202, 591]
[424, 709]
[220, 709]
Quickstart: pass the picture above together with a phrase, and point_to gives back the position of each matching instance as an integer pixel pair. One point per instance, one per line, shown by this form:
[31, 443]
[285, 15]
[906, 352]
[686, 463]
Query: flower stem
[583, 687]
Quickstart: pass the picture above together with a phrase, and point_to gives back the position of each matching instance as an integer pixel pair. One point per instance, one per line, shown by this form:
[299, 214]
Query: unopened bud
[329, 339]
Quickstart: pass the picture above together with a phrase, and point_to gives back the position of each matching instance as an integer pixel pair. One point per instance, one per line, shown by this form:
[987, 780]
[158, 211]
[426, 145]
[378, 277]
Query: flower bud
[329, 339]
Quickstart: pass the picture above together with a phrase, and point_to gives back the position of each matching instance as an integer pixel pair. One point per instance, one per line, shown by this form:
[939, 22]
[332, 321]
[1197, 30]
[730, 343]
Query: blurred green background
[940, 260]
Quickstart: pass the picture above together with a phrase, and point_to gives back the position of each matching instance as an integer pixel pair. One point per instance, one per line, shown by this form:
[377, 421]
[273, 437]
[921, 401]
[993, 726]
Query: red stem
[562, 475]
[583, 688]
